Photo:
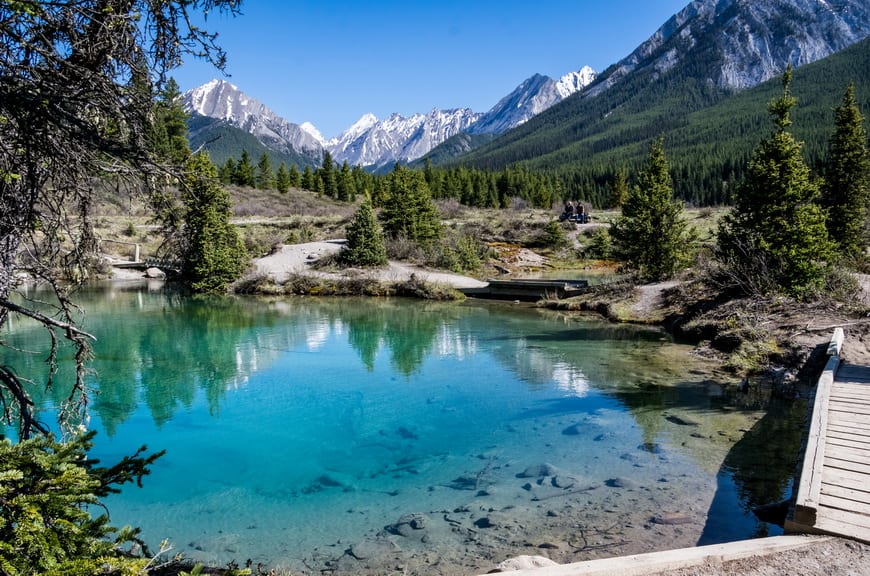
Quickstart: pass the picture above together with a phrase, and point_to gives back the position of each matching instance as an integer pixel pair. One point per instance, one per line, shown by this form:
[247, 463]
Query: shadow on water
[758, 470]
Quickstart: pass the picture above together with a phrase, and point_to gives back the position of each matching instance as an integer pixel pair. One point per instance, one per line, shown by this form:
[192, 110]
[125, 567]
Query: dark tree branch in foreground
[78, 80]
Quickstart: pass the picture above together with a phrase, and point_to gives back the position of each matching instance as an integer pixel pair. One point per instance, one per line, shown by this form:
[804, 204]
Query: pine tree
[168, 134]
[409, 210]
[307, 181]
[265, 177]
[328, 176]
[346, 188]
[244, 174]
[282, 179]
[618, 189]
[365, 240]
[295, 177]
[227, 172]
[214, 255]
[774, 238]
[846, 191]
[651, 236]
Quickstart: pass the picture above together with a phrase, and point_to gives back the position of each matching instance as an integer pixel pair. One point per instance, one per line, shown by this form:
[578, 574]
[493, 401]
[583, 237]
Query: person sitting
[568, 214]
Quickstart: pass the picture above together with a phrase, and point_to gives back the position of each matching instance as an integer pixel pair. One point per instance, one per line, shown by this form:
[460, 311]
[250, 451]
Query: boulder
[154, 272]
[523, 563]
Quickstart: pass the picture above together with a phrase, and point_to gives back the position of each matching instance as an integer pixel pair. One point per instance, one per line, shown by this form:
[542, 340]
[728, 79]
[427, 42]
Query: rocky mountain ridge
[372, 142]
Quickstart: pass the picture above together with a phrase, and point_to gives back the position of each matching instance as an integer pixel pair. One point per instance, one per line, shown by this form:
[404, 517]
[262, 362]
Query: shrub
[600, 245]
[365, 241]
[554, 235]
[46, 491]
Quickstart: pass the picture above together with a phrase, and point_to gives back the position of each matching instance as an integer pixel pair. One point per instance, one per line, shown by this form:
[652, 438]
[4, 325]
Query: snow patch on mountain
[373, 142]
[530, 98]
[222, 100]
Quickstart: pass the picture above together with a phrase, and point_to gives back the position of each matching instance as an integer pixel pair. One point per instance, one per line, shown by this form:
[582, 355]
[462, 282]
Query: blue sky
[330, 62]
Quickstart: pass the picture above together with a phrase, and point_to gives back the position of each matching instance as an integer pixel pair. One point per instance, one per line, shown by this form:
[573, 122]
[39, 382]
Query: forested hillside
[223, 141]
[709, 133]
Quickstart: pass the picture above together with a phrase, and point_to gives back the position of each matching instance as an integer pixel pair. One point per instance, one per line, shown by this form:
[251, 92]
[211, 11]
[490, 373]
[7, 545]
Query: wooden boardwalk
[833, 494]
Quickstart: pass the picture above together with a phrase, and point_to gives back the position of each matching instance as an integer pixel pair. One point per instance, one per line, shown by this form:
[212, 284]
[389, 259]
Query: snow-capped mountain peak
[313, 131]
[222, 100]
[575, 81]
[531, 97]
[373, 142]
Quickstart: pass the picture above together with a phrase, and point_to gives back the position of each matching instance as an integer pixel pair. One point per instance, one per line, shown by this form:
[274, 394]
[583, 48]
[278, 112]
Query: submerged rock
[522, 563]
[407, 525]
[538, 471]
[372, 548]
[681, 421]
[672, 518]
[620, 482]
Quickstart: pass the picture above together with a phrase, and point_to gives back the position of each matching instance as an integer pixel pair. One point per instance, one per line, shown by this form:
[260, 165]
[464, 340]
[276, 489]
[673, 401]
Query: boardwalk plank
[839, 527]
[847, 493]
[854, 430]
[845, 478]
[850, 407]
[846, 441]
[847, 418]
[847, 464]
[840, 503]
[859, 508]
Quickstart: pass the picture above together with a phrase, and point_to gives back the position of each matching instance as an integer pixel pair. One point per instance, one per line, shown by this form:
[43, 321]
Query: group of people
[575, 213]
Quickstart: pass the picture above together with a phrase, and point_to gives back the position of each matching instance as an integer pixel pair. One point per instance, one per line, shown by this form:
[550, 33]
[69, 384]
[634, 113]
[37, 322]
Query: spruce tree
[227, 172]
[214, 255]
[651, 236]
[244, 174]
[408, 209]
[774, 238]
[618, 189]
[365, 240]
[265, 177]
[168, 134]
[846, 191]
[307, 180]
[328, 176]
[346, 185]
[295, 177]
[282, 179]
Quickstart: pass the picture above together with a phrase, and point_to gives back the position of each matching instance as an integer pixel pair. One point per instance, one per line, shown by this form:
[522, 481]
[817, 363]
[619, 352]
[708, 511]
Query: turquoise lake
[364, 436]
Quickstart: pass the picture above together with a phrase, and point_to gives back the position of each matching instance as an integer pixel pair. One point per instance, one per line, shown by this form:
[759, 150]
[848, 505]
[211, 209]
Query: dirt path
[298, 259]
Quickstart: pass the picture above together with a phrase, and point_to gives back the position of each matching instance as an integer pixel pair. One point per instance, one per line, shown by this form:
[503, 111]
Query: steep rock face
[740, 43]
[222, 100]
[529, 99]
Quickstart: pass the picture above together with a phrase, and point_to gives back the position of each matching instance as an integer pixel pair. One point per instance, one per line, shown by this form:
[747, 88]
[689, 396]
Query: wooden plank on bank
[843, 523]
[657, 562]
[846, 418]
[856, 432]
[840, 444]
[847, 493]
[849, 465]
[850, 407]
[809, 487]
[846, 479]
[844, 504]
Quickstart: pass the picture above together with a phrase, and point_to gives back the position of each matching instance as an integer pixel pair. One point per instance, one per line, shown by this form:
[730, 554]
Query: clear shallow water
[297, 430]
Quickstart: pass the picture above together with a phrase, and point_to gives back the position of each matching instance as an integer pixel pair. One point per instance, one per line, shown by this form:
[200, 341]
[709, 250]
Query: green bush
[365, 241]
[48, 490]
[600, 245]
[554, 235]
